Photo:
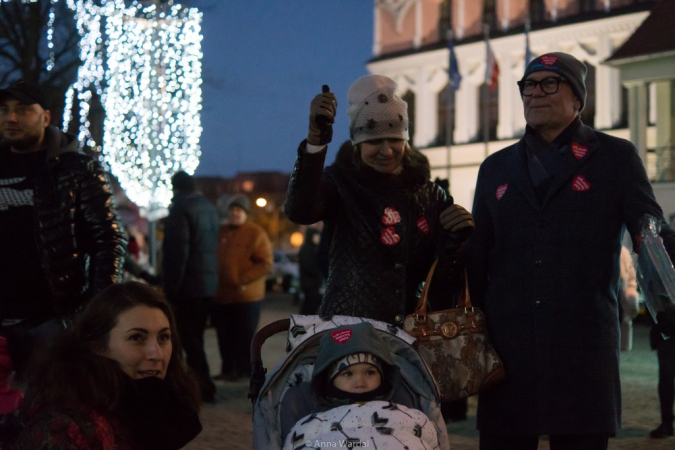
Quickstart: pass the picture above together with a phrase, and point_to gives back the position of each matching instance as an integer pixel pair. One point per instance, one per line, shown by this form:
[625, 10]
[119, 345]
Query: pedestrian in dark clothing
[388, 220]
[190, 270]
[662, 338]
[544, 264]
[311, 278]
[60, 238]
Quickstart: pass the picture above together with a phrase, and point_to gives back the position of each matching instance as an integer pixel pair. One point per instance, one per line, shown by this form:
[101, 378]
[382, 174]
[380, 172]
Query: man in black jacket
[60, 239]
[190, 270]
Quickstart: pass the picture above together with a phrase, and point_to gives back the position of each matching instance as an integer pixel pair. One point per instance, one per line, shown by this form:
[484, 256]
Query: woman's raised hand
[321, 117]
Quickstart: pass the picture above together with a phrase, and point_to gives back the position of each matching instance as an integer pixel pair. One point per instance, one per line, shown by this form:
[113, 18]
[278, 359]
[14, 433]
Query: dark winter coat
[311, 278]
[77, 230]
[386, 233]
[148, 417]
[547, 277]
[189, 250]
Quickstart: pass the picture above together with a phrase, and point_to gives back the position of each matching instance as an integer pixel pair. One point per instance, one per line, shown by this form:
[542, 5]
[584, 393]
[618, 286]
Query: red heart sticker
[549, 60]
[579, 151]
[341, 336]
[391, 216]
[423, 225]
[580, 184]
[389, 236]
[501, 190]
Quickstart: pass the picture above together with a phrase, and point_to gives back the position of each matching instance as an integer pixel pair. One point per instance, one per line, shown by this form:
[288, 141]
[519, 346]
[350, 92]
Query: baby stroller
[304, 333]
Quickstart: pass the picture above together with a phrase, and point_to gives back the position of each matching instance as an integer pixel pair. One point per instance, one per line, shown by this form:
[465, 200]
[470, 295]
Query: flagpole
[449, 116]
[486, 92]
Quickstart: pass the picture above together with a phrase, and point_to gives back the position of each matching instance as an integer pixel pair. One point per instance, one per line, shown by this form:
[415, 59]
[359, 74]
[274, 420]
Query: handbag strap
[421, 309]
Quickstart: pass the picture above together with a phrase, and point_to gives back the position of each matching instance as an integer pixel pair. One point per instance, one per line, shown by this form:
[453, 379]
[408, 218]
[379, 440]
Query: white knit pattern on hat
[355, 358]
[376, 110]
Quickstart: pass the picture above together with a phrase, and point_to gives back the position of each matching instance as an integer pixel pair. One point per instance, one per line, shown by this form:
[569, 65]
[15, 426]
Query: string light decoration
[152, 99]
[145, 64]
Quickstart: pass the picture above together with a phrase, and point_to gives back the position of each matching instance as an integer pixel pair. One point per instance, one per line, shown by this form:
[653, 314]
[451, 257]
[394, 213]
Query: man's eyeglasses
[549, 85]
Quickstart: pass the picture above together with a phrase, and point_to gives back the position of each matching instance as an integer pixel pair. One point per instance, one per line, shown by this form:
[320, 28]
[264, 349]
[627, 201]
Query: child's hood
[347, 339]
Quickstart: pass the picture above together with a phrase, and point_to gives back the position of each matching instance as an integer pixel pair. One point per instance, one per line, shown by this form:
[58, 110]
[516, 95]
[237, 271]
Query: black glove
[322, 117]
[457, 220]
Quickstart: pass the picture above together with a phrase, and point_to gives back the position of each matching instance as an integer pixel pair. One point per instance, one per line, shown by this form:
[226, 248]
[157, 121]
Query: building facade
[457, 129]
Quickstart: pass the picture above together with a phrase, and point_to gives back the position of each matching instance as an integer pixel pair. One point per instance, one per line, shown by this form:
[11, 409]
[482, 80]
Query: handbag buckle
[449, 329]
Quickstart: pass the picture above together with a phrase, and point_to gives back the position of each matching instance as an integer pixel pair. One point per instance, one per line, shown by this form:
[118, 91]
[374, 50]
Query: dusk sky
[264, 61]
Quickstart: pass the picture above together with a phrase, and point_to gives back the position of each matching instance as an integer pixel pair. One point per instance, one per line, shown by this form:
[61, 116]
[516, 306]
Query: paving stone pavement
[228, 426]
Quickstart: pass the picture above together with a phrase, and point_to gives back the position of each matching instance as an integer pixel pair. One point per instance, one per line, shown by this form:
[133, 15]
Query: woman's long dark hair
[73, 370]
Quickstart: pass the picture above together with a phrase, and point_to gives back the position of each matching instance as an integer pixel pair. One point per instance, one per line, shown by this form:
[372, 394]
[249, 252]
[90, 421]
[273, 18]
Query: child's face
[358, 378]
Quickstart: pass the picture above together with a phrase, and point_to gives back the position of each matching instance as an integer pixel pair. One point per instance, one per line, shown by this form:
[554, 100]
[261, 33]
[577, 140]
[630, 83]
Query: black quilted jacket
[386, 234]
[77, 230]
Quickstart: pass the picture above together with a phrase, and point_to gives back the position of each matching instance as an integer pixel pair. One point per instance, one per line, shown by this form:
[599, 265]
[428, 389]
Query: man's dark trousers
[191, 316]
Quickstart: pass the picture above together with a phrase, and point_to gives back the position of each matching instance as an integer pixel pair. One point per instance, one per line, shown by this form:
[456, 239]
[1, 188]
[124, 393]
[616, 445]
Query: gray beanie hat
[376, 110]
[240, 201]
[567, 66]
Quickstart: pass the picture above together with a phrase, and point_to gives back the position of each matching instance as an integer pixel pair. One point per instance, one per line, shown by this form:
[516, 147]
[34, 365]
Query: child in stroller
[301, 402]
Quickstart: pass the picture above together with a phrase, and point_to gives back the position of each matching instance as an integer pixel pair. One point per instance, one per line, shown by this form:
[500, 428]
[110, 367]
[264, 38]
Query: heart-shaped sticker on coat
[501, 190]
[391, 216]
[389, 236]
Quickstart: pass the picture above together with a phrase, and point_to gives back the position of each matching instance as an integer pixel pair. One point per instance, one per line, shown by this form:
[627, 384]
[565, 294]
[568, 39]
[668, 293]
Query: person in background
[60, 239]
[244, 259]
[628, 299]
[115, 380]
[311, 278]
[189, 270]
[544, 265]
[388, 221]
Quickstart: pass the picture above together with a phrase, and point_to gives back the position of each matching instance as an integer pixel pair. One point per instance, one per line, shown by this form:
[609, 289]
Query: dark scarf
[156, 419]
[545, 159]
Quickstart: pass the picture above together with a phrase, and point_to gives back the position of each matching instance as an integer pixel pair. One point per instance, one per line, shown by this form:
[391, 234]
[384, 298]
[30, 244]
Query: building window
[489, 113]
[490, 13]
[623, 119]
[446, 116]
[537, 11]
[445, 21]
[409, 97]
[587, 6]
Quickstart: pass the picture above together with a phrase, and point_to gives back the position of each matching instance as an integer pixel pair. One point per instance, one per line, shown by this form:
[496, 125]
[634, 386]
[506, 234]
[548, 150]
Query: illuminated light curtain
[152, 100]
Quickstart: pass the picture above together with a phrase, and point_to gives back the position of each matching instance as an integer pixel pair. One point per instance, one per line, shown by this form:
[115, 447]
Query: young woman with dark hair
[115, 380]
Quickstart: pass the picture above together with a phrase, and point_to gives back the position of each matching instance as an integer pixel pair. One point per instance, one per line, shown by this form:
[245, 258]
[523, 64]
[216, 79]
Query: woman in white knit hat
[389, 220]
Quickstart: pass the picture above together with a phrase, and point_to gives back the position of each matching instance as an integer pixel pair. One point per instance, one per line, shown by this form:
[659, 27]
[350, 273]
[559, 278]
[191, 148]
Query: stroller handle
[257, 370]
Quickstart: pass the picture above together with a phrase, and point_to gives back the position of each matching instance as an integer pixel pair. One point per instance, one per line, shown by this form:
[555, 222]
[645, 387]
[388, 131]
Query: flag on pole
[528, 52]
[454, 77]
[492, 68]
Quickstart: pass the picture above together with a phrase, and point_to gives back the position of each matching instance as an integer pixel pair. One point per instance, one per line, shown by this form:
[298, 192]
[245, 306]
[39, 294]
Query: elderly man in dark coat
[550, 213]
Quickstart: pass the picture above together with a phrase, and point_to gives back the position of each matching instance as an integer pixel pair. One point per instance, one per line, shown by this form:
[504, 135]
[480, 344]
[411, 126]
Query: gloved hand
[321, 117]
[457, 220]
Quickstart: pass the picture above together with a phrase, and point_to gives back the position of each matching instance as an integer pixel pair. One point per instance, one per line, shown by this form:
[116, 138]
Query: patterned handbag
[455, 345]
